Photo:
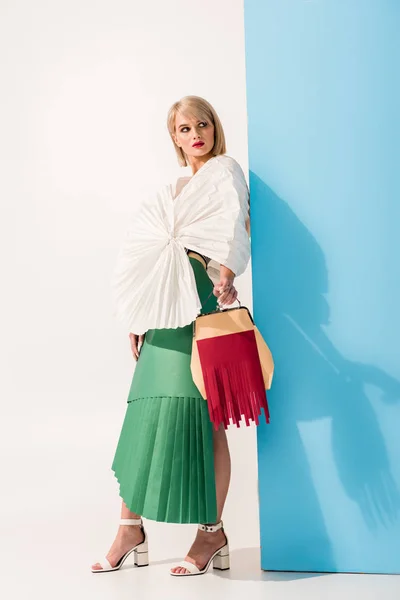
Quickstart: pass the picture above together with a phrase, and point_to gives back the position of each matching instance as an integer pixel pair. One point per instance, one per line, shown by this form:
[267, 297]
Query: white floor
[61, 571]
[60, 508]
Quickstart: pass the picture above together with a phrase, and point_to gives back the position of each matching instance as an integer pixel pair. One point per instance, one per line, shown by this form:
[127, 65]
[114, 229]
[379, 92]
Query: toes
[179, 570]
[97, 567]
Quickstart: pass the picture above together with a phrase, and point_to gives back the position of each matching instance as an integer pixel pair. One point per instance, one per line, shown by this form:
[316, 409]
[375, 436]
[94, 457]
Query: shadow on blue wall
[312, 381]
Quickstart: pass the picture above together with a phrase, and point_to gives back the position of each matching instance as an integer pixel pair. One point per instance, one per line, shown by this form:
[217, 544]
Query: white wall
[86, 86]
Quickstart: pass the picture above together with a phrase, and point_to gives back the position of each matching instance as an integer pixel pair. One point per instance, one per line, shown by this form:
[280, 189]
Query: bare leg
[206, 543]
[127, 537]
[222, 464]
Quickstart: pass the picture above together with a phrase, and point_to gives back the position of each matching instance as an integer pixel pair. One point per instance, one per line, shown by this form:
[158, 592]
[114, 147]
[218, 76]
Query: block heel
[221, 560]
[141, 554]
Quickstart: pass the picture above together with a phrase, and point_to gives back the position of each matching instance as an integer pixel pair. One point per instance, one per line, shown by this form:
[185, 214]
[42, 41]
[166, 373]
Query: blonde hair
[200, 109]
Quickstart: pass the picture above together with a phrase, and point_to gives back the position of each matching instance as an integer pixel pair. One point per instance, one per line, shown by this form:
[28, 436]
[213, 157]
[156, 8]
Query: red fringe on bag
[233, 378]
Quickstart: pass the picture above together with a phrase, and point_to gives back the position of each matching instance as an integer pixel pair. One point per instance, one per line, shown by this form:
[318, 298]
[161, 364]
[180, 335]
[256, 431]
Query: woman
[171, 464]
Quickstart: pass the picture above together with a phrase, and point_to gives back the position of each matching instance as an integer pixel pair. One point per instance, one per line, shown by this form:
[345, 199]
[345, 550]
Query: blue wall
[324, 154]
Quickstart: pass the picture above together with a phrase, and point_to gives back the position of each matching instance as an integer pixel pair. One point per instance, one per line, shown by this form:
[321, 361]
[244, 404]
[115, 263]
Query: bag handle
[220, 310]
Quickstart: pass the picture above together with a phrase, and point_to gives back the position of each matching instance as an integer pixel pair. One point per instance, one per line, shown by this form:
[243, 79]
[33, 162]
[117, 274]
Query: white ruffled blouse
[153, 284]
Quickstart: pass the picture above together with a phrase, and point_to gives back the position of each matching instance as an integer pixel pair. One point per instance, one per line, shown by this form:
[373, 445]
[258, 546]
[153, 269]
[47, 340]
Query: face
[189, 130]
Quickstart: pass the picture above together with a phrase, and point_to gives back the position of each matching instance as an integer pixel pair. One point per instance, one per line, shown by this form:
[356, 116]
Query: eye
[183, 130]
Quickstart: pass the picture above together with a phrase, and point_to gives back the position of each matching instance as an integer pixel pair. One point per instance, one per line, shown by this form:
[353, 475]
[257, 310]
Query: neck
[197, 162]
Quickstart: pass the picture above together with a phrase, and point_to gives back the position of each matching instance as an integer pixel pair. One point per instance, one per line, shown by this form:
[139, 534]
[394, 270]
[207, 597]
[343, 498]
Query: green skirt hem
[164, 460]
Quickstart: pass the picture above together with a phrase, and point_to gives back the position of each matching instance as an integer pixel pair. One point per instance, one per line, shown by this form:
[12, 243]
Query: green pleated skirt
[164, 460]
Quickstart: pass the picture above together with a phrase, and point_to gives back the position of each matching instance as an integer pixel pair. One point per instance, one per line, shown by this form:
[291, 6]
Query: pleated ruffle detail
[164, 460]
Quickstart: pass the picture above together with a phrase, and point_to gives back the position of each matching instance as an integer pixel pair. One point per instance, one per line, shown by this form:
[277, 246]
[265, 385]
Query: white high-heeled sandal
[220, 558]
[141, 551]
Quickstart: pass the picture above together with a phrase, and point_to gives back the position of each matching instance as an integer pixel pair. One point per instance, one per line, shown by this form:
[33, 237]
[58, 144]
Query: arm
[229, 295]
[248, 226]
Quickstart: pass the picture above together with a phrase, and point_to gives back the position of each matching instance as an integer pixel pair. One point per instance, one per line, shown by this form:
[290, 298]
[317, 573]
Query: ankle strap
[130, 521]
[211, 528]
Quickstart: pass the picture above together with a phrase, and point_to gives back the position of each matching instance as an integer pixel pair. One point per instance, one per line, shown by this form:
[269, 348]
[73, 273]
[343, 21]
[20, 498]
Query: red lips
[198, 144]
